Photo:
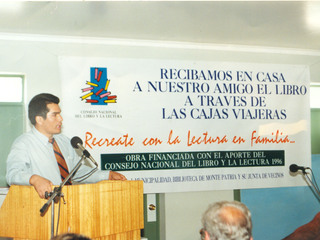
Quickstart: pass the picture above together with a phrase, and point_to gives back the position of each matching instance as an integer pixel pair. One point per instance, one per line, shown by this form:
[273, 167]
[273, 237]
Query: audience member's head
[227, 220]
[70, 236]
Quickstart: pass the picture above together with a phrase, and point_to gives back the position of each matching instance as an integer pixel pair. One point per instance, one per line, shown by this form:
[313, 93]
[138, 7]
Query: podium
[107, 210]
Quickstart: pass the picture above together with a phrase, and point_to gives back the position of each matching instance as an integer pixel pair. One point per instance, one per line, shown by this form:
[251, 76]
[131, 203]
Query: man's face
[52, 124]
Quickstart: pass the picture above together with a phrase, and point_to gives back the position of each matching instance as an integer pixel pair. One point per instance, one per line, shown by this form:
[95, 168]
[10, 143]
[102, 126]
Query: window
[11, 88]
[315, 95]
[11, 117]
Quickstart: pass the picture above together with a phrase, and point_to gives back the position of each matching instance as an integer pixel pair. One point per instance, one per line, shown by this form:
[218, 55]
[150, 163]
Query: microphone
[295, 168]
[76, 142]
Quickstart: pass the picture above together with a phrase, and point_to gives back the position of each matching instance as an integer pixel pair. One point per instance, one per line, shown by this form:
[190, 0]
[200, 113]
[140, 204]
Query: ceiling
[276, 24]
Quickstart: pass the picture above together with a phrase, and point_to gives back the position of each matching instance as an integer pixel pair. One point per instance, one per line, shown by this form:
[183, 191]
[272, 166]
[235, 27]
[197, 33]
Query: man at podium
[43, 157]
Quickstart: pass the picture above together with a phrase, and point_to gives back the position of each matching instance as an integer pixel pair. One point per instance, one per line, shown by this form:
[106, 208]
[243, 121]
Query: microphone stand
[56, 194]
[310, 183]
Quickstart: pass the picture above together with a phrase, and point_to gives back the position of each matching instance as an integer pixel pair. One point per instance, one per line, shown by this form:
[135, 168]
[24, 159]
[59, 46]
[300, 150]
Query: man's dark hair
[38, 106]
[70, 236]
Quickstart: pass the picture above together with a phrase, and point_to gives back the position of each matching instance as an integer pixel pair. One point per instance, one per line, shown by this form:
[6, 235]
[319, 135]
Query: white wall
[37, 58]
[183, 213]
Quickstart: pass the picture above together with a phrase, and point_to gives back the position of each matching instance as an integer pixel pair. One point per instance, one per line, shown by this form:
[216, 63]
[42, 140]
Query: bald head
[232, 215]
[227, 220]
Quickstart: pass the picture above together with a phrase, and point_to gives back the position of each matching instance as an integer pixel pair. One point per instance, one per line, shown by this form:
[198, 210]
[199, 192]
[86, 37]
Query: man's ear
[206, 235]
[39, 120]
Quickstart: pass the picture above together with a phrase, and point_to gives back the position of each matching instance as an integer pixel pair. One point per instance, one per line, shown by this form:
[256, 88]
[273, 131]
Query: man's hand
[41, 185]
[116, 176]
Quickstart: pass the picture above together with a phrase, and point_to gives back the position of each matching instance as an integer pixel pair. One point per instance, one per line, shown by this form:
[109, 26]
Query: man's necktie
[64, 172]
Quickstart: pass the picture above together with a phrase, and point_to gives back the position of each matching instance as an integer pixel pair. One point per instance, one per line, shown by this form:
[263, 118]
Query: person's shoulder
[24, 137]
[24, 140]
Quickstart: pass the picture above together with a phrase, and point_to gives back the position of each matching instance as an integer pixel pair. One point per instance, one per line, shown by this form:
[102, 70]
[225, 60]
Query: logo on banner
[97, 91]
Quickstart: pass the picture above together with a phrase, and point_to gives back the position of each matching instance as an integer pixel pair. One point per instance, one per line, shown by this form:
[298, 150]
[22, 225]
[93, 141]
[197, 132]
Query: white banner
[190, 126]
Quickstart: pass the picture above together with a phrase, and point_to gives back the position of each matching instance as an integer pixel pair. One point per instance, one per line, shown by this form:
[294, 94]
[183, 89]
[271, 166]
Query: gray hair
[227, 220]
